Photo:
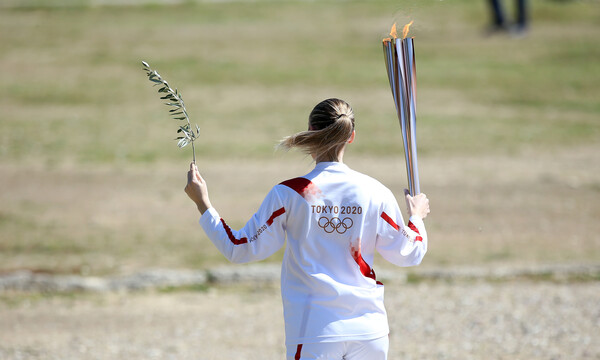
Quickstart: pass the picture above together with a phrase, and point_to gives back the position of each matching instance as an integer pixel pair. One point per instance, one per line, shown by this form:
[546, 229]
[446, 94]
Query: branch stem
[193, 152]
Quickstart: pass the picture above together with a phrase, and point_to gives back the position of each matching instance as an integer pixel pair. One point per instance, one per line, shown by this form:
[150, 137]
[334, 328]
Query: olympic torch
[399, 56]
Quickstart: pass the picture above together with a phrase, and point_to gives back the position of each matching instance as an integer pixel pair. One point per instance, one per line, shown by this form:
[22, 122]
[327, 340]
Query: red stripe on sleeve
[230, 235]
[275, 214]
[414, 228]
[389, 220]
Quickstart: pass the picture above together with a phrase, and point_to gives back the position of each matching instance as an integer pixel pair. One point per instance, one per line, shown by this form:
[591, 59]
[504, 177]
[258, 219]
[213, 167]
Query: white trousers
[376, 349]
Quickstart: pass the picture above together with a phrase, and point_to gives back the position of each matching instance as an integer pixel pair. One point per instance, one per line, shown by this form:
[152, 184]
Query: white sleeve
[262, 235]
[399, 244]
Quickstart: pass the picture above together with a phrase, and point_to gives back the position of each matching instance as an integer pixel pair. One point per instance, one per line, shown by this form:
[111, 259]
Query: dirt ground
[428, 320]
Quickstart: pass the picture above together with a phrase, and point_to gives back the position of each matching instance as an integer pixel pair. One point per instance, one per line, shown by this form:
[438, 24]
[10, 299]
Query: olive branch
[178, 111]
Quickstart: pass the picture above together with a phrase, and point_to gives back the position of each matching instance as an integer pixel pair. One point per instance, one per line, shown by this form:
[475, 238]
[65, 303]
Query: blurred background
[91, 180]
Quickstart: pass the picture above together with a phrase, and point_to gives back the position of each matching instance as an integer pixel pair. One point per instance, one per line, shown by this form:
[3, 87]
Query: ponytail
[331, 124]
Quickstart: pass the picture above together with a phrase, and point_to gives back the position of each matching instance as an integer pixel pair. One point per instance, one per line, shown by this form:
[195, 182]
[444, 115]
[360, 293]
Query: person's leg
[521, 16]
[317, 351]
[371, 349]
[498, 20]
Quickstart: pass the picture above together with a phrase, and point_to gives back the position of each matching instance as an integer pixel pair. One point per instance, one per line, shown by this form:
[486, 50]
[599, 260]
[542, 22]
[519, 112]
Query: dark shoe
[518, 30]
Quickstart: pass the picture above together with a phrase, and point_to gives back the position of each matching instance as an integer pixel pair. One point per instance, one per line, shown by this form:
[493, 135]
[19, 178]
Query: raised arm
[403, 245]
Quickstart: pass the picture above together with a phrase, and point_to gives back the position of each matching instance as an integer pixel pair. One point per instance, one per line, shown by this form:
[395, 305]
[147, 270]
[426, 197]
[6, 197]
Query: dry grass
[534, 208]
[92, 182]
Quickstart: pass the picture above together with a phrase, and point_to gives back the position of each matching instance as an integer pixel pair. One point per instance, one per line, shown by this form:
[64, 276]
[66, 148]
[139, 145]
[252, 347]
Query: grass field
[91, 180]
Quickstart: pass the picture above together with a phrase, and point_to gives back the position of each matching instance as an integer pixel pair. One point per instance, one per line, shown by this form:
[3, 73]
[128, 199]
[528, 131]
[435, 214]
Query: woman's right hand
[417, 205]
[196, 189]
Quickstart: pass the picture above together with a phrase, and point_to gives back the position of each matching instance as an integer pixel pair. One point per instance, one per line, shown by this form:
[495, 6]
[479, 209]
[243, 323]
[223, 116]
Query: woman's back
[334, 220]
[329, 290]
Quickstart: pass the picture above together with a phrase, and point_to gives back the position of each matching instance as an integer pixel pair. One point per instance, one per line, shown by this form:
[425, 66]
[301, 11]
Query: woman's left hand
[197, 190]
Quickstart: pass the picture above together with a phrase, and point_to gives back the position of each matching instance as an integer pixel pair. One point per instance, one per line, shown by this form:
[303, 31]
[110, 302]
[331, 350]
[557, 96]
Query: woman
[334, 219]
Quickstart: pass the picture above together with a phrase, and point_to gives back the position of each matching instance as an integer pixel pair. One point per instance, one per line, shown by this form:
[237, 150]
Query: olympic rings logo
[335, 224]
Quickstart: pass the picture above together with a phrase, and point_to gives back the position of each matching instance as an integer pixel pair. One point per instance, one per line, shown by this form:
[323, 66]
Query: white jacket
[335, 218]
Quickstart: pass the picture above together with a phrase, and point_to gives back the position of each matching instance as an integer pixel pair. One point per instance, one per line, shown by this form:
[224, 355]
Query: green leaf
[174, 99]
[183, 142]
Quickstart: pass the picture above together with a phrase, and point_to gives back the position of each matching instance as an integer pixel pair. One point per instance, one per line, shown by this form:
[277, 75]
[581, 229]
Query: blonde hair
[330, 126]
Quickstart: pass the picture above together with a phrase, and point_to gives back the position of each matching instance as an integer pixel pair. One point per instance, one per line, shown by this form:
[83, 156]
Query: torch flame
[393, 32]
[405, 30]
